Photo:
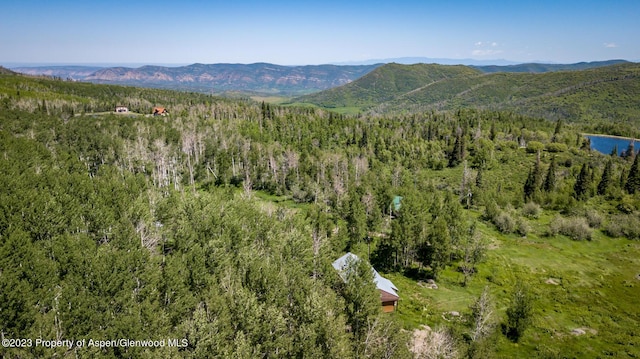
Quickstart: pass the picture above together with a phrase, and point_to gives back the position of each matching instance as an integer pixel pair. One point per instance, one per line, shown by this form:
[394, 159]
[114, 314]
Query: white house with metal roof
[388, 291]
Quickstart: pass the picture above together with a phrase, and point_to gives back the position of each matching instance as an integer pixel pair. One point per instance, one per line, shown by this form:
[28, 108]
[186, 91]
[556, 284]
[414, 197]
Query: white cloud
[610, 45]
[486, 48]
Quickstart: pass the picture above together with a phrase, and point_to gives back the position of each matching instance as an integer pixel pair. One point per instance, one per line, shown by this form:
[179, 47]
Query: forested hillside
[543, 67]
[606, 93]
[217, 225]
[386, 83]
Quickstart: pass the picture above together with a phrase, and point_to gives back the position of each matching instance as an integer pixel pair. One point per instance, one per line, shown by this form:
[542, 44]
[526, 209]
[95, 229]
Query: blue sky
[302, 32]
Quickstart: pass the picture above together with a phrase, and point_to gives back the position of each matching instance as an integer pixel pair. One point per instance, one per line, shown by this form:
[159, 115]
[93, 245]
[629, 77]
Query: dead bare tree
[483, 319]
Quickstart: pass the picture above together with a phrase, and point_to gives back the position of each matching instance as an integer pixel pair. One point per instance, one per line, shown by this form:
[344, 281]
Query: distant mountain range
[264, 78]
[604, 90]
[541, 67]
[66, 72]
[432, 60]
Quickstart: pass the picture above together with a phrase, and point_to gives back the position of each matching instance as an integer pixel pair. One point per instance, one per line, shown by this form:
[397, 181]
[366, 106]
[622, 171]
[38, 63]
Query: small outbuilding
[388, 291]
[160, 111]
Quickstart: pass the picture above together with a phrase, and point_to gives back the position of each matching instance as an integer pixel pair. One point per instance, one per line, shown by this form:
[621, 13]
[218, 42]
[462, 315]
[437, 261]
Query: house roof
[387, 297]
[382, 283]
[396, 202]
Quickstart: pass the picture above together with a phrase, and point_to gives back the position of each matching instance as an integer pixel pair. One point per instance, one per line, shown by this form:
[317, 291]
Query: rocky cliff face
[259, 77]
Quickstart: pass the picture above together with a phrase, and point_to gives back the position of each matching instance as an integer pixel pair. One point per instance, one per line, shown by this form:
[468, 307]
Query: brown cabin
[389, 301]
[160, 111]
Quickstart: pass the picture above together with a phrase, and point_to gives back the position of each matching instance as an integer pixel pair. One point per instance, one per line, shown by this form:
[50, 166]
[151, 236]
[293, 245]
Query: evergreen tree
[356, 218]
[633, 179]
[534, 180]
[630, 152]
[550, 180]
[479, 177]
[614, 151]
[605, 180]
[529, 186]
[518, 313]
[622, 181]
[556, 131]
[581, 187]
[492, 131]
[458, 152]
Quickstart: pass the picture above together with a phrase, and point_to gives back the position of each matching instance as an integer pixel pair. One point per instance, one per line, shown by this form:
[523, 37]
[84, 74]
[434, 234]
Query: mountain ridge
[258, 78]
[605, 92]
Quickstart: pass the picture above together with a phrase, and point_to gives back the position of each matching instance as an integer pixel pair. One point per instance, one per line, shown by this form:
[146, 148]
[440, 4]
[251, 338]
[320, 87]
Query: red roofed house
[160, 111]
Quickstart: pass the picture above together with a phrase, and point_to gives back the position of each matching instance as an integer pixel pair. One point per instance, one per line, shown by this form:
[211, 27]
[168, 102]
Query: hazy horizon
[401, 60]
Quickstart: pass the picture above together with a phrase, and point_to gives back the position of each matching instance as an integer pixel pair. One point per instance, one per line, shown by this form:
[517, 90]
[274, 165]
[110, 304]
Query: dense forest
[217, 225]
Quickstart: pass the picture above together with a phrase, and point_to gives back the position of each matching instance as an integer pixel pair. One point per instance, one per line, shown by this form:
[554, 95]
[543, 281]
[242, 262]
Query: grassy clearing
[285, 201]
[591, 286]
[276, 100]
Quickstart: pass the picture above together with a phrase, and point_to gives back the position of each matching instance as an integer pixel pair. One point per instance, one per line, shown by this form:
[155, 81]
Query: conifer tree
[633, 180]
[356, 218]
[518, 313]
[605, 180]
[492, 131]
[630, 151]
[457, 154]
[614, 151]
[534, 180]
[550, 180]
[581, 186]
[479, 177]
[556, 131]
[529, 186]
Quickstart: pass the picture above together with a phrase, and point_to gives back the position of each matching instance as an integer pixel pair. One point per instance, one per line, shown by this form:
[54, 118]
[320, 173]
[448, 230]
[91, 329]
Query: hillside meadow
[218, 224]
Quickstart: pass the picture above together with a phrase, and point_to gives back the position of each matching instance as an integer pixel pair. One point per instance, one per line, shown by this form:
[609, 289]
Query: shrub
[523, 227]
[556, 147]
[491, 210]
[593, 218]
[623, 225]
[575, 228]
[505, 223]
[627, 205]
[531, 210]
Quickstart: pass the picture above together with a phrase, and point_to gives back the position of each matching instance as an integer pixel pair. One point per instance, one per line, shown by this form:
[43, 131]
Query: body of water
[606, 144]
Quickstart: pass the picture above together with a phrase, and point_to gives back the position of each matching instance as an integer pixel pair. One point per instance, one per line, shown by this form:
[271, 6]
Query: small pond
[606, 144]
